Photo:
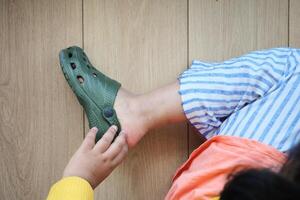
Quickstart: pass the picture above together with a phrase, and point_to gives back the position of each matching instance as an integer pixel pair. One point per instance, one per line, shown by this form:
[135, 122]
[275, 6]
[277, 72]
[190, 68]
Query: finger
[120, 157]
[89, 140]
[116, 147]
[103, 144]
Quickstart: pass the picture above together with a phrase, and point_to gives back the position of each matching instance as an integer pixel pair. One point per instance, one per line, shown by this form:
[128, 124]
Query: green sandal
[95, 91]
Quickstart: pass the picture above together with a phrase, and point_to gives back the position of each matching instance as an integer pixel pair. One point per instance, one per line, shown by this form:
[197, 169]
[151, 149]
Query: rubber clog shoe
[94, 91]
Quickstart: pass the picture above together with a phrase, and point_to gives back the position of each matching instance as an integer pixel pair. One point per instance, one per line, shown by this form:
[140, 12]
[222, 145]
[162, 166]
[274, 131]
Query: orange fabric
[204, 174]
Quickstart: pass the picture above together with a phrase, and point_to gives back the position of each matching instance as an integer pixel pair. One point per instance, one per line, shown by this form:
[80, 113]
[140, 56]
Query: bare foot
[139, 114]
[130, 116]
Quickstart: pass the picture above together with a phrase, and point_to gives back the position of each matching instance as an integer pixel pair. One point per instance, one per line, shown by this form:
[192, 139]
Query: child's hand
[94, 162]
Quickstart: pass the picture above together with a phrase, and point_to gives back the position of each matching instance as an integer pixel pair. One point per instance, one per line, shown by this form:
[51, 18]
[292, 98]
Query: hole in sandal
[80, 79]
[73, 65]
[88, 66]
[83, 58]
[70, 55]
[94, 74]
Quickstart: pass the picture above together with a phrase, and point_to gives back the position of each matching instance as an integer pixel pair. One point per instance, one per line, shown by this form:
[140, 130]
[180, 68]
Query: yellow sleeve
[71, 188]
[216, 198]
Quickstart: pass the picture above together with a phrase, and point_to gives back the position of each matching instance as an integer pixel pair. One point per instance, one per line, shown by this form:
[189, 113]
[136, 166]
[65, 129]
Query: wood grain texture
[40, 120]
[294, 23]
[222, 29]
[143, 44]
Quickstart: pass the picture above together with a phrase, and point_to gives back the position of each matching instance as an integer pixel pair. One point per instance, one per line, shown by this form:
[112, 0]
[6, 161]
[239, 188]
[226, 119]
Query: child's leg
[140, 113]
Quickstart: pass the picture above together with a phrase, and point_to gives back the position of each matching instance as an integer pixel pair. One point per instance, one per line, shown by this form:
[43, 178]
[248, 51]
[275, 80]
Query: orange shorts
[205, 173]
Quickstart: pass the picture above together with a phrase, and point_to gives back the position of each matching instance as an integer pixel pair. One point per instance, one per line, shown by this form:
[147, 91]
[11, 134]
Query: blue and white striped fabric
[255, 96]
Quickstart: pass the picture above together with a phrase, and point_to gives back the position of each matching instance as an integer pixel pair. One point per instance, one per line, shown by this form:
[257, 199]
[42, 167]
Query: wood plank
[40, 119]
[143, 44]
[219, 30]
[294, 24]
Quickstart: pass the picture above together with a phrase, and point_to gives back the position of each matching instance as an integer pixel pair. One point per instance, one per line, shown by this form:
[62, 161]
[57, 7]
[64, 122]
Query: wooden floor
[142, 43]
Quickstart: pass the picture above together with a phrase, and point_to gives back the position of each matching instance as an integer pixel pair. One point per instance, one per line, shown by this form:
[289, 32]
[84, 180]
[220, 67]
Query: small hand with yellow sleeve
[90, 165]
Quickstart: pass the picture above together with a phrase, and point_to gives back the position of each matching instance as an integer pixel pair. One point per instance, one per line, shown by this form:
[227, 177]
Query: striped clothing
[255, 96]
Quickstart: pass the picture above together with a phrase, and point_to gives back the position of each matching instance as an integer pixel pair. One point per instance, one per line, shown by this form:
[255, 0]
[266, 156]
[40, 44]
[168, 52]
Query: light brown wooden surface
[143, 44]
[294, 32]
[219, 30]
[40, 119]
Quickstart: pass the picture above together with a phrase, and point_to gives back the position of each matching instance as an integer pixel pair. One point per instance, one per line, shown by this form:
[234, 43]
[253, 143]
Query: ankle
[148, 111]
[129, 110]
[139, 106]
[160, 107]
[130, 114]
